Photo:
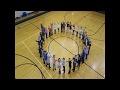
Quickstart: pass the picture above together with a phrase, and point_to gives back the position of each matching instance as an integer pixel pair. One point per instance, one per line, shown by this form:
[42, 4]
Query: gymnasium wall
[19, 13]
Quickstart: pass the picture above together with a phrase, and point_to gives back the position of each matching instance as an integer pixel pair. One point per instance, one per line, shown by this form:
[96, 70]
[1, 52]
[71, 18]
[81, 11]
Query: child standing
[41, 26]
[51, 29]
[81, 32]
[54, 28]
[70, 25]
[48, 60]
[58, 27]
[76, 31]
[59, 65]
[79, 60]
[74, 64]
[73, 28]
[63, 64]
[83, 38]
[54, 63]
[40, 51]
[63, 27]
[76, 59]
[46, 31]
[45, 58]
[67, 26]
[86, 51]
[89, 44]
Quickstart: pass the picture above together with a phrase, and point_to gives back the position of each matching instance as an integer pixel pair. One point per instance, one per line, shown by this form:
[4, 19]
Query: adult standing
[79, 60]
[70, 62]
[83, 55]
[74, 64]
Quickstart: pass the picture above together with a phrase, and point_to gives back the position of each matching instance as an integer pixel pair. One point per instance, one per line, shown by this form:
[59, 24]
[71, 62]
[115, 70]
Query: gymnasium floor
[62, 45]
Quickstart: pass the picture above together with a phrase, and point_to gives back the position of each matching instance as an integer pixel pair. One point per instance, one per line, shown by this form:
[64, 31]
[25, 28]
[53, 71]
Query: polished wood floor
[62, 45]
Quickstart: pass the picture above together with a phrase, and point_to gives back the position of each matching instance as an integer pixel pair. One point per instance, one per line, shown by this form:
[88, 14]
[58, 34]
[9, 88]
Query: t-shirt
[46, 30]
[73, 28]
[54, 26]
[74, 60]
[86, 50]
[54, 60]
[83, 54]
[58, 25]
[63, 62]
[59, 64]
[45, 56]
[81, 31]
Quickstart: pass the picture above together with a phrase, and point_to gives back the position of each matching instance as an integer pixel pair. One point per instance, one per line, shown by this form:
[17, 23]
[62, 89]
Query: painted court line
[27, 38]
[96, 19]
[28, 33]
[37, 59]
[98, 45]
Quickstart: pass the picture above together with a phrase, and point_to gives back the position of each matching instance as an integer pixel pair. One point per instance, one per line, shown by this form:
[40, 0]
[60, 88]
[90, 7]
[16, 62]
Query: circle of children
[77, 59]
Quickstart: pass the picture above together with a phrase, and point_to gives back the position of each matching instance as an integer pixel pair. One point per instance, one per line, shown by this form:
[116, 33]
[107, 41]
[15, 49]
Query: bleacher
[28, 16]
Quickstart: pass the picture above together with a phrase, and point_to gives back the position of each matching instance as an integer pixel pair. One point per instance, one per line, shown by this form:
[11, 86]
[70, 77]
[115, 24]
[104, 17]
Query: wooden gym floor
[62, 45]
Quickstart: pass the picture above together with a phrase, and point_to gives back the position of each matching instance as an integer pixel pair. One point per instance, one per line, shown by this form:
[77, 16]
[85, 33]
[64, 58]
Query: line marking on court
[28, 33]
[62, 45]
[51, 13]
[95, 70]
[37, 59]
[29, 63]
[34, 21]
[27, 38]
[98, 45]
[61, 18]
[34, 25]
[72, 54]
[96, 19]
